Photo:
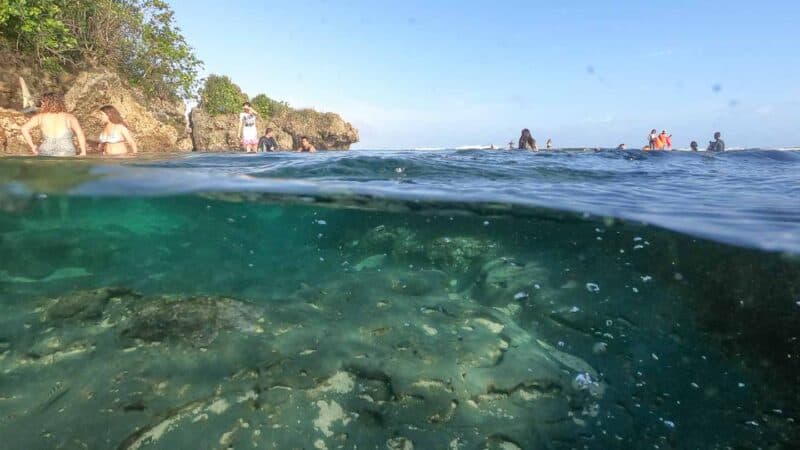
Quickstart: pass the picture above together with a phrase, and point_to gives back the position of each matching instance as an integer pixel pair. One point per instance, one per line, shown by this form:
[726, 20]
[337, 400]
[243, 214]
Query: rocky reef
[177, 369]
[327, 131]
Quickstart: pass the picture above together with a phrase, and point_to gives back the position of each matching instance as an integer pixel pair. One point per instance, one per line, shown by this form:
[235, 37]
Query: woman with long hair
[526, 141]
[116, 137]
[58, 128]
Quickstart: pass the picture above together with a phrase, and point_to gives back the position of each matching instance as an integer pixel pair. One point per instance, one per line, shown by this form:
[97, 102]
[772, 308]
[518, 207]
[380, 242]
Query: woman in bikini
[115, 138]
[58, 128]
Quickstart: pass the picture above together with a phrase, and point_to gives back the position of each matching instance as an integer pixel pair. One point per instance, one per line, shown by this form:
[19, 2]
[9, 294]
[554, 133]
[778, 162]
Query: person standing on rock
[247, 128]
[115, 138]
[306, 146]
[267, 142]
[58, 128]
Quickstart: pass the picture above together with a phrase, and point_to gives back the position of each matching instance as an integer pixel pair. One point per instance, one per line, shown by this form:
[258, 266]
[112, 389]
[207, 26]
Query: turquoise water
[433, 300]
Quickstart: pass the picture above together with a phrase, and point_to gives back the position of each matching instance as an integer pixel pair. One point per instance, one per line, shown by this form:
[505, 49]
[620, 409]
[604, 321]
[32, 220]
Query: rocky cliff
[327, 131]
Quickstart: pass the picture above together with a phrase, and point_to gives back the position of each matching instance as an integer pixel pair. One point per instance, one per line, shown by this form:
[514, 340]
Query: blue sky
[466, 72]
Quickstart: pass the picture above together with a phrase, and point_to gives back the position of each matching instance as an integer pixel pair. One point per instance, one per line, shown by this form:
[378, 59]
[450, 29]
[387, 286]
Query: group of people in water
[59, 127]
[248, 133]
[656, 142]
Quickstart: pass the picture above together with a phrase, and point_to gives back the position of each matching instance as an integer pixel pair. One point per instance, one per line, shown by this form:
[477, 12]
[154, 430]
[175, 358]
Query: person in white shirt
[247, 128]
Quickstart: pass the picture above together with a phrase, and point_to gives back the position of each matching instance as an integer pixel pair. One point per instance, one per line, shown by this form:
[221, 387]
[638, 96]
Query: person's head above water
[110, 114]
[693, 144]
[52, 102]
[717, 135]
[526, 132]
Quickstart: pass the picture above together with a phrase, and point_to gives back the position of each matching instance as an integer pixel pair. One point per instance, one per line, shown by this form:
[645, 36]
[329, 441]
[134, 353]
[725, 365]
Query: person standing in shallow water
[306, 146]
[247, 128]
[717, 145]
[58, 128]
[115, 137]
[526, 141]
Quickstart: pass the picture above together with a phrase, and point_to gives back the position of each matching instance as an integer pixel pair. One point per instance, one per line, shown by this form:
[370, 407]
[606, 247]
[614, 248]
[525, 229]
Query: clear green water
[225, 321]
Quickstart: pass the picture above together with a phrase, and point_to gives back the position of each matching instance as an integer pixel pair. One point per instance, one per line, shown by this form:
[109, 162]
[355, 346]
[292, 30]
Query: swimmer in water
[58, 128]
[526, 141]
[306, 146]
[693, 146]
[115, 137]
[549, 144]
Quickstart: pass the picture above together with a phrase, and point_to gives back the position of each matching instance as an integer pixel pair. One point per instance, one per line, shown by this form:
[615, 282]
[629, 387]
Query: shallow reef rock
[328, 370]
[327, 131]
[157, 125]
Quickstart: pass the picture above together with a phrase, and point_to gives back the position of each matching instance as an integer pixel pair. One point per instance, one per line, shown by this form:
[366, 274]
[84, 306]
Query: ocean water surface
[447, 299]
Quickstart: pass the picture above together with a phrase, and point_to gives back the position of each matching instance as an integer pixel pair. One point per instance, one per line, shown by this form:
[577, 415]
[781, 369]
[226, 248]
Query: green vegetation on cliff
[137, 38]
[220, 95]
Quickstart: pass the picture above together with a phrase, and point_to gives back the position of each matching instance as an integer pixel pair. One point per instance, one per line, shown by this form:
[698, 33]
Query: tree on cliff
[137, 38]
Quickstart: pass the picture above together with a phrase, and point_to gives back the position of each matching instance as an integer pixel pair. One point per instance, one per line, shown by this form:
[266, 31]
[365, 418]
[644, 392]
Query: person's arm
[76, 128]
[721, 145]
[239, 131]
[535, 147]
[129, 139]
[26, 132]
[312, 149]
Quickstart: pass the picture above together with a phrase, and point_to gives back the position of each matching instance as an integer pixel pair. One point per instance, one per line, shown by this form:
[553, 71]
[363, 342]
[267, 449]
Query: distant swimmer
[58, 128]
[717, 145]
[511, 145]
[115, 137]
[549, 144]
[526, 141]
[621, 147]
[693, 146]
[306, 146]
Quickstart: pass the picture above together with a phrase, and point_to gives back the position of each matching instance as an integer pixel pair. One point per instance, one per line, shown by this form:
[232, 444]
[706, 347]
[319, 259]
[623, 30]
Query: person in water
[663, 141]
[58, 128]
[306, 146]
[651, 139]
[621, 147]
[549, 144]
[511, 145]
[115, 137]
[717, 145]
[526, 141]
[693, 146]
[247, 128]
[267, 142]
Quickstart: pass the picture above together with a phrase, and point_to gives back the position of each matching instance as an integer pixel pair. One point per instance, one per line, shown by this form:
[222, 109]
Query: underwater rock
[397, 242]
[194, 321]
[460, 254]
[371, 263]
[83, 305]
[504, 279]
